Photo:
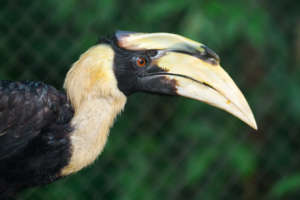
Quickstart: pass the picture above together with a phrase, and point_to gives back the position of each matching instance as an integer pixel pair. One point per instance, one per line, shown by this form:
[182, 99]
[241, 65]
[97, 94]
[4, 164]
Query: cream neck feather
[92, 89]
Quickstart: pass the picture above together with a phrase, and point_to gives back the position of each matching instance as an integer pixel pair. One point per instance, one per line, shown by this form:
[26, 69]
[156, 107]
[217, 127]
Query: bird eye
[141, 62]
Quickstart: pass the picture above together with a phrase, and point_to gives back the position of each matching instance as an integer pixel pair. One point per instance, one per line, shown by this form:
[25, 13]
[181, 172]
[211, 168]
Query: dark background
[165, 147]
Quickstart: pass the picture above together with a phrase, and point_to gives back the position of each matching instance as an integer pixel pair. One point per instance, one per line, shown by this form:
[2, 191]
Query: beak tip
[254, 125]
[251, 122]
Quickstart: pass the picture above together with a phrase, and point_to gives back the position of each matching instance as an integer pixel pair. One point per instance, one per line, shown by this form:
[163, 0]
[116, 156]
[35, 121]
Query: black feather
[34, 135]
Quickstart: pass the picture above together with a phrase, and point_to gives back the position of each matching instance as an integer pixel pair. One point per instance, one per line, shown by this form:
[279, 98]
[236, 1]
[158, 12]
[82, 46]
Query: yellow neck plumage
[92, 89]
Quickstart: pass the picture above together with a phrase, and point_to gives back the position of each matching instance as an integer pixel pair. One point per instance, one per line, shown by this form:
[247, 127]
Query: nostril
[210, 54]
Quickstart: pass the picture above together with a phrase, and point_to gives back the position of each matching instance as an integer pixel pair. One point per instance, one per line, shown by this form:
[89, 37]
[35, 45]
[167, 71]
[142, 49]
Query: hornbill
[46, 134]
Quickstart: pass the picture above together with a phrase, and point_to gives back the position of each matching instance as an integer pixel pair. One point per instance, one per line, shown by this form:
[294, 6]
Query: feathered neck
[92, 89]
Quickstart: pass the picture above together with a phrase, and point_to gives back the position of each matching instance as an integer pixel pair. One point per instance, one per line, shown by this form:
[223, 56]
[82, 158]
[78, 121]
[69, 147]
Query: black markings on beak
[204, 53]
[120, 34]
[158, 84]
[166, 74]
[170, 85]
[210, 55]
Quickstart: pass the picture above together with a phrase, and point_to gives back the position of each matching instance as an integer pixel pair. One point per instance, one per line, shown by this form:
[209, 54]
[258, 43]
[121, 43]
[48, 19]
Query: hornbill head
[162, 63]
[171, 64]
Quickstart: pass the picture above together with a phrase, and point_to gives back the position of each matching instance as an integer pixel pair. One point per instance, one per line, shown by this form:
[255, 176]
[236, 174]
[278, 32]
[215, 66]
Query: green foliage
[287, 186]
[199, 164]
[243, 160]
[174, 148]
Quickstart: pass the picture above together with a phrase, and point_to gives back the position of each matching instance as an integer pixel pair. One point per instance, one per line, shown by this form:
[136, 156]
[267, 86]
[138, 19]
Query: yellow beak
[206, 82]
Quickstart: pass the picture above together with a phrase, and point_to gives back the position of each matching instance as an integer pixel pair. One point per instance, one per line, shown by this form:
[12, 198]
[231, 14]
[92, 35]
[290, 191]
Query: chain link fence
[170, 147]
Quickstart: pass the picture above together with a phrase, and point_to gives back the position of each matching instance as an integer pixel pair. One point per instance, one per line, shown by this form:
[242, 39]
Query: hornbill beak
[191, 69]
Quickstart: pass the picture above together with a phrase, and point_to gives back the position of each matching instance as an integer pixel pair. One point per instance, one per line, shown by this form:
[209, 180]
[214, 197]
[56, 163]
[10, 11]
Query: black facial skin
[134, 78]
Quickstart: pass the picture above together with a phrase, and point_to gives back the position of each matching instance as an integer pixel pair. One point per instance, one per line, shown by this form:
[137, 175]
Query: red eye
[141, 62]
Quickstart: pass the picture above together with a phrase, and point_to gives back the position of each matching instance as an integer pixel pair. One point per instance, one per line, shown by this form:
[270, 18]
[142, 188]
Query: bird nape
[46, 134]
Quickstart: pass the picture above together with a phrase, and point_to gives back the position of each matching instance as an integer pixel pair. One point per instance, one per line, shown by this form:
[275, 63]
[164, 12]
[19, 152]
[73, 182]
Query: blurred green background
[165, 147]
